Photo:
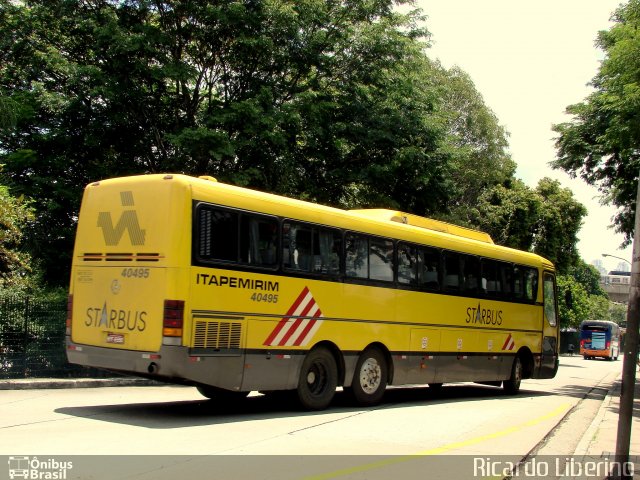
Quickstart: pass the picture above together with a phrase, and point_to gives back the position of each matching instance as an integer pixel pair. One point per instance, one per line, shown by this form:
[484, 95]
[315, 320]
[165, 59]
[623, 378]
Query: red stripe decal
[283, 321]
[307, 329]
[297, 323]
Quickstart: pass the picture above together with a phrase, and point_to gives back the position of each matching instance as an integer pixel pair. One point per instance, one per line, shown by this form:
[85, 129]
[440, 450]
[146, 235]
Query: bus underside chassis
[320, 375]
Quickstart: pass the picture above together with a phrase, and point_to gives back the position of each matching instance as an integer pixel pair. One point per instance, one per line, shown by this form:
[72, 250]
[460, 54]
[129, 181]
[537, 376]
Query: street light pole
[619, 258]
[630, 353]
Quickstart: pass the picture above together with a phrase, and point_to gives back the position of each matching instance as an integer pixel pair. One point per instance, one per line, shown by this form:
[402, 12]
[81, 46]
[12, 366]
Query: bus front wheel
[370, 378]
[318, 379]
[512, 385]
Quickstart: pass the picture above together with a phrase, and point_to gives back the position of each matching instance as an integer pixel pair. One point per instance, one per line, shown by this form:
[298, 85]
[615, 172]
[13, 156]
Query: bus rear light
[69, 314]
[173, 318]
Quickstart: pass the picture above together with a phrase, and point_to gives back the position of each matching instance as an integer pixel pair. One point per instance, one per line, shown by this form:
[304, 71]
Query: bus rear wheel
[512, 385]
[370, 378]
[318, 379]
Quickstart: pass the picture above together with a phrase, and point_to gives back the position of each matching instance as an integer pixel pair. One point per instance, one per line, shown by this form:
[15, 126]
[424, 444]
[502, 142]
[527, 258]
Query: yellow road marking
[562, 409]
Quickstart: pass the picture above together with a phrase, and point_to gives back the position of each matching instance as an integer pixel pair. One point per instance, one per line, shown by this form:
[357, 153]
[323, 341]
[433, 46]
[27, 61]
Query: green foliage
[545, 220]
[589, 277]
[14, 263]
[559, 221]
[509, 215]
[618, 313]
[334, 102]
[476, 142]
[601, 143]
[581, 308]
[324, 100]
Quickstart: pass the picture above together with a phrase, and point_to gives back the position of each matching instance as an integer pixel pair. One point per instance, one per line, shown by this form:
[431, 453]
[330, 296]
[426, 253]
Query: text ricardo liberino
[566, 467]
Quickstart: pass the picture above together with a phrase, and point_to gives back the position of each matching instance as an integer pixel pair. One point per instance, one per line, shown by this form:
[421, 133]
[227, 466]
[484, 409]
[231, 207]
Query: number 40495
[135, 273]
[265, 297]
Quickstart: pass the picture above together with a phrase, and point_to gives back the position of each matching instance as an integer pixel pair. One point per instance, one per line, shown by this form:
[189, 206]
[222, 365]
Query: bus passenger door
[549, 359]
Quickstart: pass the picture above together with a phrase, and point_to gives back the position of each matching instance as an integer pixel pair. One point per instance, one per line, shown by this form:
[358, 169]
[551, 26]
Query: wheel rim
[370, 376]
[317, 378]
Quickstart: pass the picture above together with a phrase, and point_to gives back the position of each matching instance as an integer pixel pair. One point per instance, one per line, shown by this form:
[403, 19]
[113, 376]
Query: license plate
[115, 338]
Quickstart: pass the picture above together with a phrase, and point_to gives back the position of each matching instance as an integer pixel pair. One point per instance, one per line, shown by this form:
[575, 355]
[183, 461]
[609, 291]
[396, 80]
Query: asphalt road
[270, 437]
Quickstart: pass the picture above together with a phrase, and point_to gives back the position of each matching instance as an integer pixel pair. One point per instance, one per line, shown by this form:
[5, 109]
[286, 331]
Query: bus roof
[602, 323]
[381, 222]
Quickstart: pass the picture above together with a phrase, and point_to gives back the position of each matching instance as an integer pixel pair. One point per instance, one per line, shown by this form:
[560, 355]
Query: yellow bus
[193, 281]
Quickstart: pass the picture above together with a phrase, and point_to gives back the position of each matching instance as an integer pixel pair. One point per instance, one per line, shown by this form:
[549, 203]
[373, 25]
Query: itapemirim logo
[128, 221]
[34, 468]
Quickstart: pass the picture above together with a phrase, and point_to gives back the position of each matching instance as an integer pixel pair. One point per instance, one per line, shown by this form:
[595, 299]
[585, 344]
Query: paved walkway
[600, 439]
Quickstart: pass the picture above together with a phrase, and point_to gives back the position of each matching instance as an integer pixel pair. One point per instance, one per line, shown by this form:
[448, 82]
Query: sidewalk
[599, 440]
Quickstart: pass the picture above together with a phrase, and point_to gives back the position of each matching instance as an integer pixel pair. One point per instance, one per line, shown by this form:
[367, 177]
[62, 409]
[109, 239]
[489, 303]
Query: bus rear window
[593, 328]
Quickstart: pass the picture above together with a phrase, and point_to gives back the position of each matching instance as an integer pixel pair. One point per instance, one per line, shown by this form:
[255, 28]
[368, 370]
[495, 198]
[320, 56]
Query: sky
[530, 60]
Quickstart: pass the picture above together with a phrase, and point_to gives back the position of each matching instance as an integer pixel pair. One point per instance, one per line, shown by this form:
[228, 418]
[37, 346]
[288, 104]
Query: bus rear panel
[599, 339]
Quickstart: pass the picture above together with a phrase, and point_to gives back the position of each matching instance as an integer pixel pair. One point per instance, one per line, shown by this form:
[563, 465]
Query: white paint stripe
[312, 332]
[303, 325]
[303, 304]
[283, 332]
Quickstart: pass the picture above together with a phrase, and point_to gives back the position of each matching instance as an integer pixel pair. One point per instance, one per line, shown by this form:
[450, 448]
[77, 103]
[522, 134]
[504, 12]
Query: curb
[47, 383]
[590, 434]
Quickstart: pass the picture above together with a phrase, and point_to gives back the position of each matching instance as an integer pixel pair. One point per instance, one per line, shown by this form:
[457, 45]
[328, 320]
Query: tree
[509, 215]
[545, 220]
[589, 277]
[558, 225]
[602, 141]
[14, 263]
[320, 100]
[580, 308]
[476, 142]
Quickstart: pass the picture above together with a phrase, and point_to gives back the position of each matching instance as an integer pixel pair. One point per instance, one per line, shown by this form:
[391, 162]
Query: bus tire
[512, 385]
[370, 378]
[318, 379]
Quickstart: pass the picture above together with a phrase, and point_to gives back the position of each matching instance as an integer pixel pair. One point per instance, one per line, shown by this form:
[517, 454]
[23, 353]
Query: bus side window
[452, 272]
[430, 263]
[470, 273]
[296, 246]
[217, 235]
[530, 284]
[550, 299]
[357, 256]
[327, 250]
[258, 240]
[419, 266]
[496, 278]
[381, 259]
[407, 264]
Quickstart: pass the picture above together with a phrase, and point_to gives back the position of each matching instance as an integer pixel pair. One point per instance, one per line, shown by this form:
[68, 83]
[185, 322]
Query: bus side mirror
[568, 299]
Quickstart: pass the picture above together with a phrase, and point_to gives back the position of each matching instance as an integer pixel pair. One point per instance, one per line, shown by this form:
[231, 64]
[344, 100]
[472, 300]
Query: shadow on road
[179, 414]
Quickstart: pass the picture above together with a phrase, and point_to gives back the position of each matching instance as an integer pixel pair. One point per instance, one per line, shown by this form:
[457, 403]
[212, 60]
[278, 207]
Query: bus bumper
[171, 364]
